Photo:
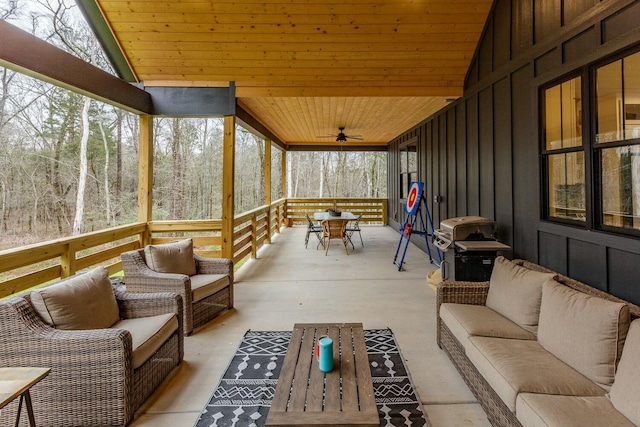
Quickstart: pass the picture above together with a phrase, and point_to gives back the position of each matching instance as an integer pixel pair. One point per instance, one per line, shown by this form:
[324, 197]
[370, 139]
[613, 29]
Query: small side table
[16, 382]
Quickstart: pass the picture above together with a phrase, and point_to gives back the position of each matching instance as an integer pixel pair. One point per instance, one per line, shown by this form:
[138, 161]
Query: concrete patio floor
[287, 284]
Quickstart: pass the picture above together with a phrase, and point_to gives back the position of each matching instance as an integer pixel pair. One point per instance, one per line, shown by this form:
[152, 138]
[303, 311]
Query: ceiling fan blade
[326, 136]
[358, 137]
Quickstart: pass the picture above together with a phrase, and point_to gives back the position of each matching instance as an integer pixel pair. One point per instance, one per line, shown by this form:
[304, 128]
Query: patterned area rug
[244, 394]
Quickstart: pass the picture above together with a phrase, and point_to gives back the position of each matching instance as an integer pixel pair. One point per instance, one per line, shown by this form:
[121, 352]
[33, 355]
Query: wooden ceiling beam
[29, 55]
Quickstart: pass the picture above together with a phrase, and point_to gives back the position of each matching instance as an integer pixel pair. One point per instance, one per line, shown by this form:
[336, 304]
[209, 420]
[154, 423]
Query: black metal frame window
[617, 144]
[408, 166]
[563, 154]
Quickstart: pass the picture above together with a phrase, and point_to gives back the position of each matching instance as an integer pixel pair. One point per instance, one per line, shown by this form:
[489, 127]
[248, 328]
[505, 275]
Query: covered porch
[472, 129]
[286, 284]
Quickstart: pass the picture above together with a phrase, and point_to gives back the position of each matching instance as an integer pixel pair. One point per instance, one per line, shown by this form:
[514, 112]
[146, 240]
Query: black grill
[470, 248]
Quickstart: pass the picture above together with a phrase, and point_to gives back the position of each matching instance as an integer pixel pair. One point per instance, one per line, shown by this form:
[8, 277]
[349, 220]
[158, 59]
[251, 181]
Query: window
[593, 179]
[617, 142]
[408, 167]
[563, 153]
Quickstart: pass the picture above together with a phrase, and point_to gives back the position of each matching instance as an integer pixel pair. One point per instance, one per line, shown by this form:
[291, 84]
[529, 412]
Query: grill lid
[468, 228]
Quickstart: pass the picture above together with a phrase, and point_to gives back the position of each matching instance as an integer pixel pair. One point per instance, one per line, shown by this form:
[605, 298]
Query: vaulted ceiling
[304, 68]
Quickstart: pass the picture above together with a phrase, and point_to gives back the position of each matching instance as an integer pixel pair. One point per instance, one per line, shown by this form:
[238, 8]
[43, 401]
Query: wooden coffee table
[307, 396]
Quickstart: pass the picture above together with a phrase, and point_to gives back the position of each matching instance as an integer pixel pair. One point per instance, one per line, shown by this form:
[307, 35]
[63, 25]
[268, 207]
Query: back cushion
[626, 387]
[174, 257]
[85, 301]
[515, 292]
[584, 331]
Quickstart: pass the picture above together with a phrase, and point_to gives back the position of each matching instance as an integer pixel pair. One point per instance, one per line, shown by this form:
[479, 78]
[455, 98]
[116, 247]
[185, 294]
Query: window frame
[597, 148]
[408, 174]
[546, 153]
[593, 151]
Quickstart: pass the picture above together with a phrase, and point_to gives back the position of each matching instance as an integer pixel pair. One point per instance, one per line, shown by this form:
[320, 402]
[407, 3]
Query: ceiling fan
[341, 137]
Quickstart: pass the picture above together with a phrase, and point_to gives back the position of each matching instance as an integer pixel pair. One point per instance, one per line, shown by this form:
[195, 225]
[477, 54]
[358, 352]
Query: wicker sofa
[205, 284]
[100, 375]
[572, 361]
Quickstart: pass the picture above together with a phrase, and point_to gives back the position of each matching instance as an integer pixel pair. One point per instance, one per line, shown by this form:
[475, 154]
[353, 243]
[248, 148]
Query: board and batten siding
[481, 154]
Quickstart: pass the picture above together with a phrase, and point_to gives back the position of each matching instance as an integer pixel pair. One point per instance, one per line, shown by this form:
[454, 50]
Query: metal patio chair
[355, 228]
[312, 228]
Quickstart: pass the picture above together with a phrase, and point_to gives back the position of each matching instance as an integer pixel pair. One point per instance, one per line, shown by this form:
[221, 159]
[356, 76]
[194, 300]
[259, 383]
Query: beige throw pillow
[85, 301]
[626, 387]
[585, 332]
[515, 292]
[174, 257]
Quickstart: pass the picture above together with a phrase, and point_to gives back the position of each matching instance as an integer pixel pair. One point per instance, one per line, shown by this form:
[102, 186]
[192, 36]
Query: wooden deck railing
[28, 266]
[374, 211]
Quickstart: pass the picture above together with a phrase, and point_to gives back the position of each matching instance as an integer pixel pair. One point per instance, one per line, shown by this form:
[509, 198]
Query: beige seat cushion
[174, 257]
[543, 410]
[465, 320]
[84, 301]
[520, 366]
[626, 386]
[148, 334]
[203, 285]
[583, 331]
[515, 292]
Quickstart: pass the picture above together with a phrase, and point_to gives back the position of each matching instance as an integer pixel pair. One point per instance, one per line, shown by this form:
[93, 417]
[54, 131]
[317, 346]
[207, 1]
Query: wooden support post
[145, 176]
[254, 239]
[267, 185]
[68, 261]
[228, 172]
[283, 179]
[283, 173]
[385, 216]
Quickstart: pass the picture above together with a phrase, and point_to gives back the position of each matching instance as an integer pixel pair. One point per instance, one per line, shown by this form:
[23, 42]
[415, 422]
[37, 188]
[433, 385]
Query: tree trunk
[3, 213]
[322, 172]
[177, 197]
[107, 196]
[82, 180]
[119, 124]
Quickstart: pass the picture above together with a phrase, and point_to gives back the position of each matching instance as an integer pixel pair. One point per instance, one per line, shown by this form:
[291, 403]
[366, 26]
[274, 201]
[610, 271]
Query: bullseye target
[413, 198]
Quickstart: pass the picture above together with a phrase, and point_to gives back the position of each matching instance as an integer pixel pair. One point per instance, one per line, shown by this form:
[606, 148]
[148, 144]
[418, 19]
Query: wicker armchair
[93, 381]
[198, 310]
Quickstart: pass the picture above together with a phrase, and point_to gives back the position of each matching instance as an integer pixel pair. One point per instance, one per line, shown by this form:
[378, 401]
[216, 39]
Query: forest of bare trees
[69, 164]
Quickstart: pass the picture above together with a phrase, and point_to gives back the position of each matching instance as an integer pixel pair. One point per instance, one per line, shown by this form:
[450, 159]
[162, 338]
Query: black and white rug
[244, 394]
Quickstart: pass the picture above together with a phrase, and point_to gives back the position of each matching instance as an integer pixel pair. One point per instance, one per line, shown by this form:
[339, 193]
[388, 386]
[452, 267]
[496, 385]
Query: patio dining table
[344, 216]
[321, 216]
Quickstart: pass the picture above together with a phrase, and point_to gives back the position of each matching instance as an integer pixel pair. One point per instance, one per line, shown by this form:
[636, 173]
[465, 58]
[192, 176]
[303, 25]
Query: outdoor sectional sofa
[108, 351]
[540, 349]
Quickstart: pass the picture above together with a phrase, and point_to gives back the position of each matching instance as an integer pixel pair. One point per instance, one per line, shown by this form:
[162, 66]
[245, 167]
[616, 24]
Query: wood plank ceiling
[304, 68]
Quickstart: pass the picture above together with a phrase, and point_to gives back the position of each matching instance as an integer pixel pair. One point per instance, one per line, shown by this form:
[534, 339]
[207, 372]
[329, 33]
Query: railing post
[68, 261]
[145, 176]
[228, 168]
[254, 237]
[385, 213]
